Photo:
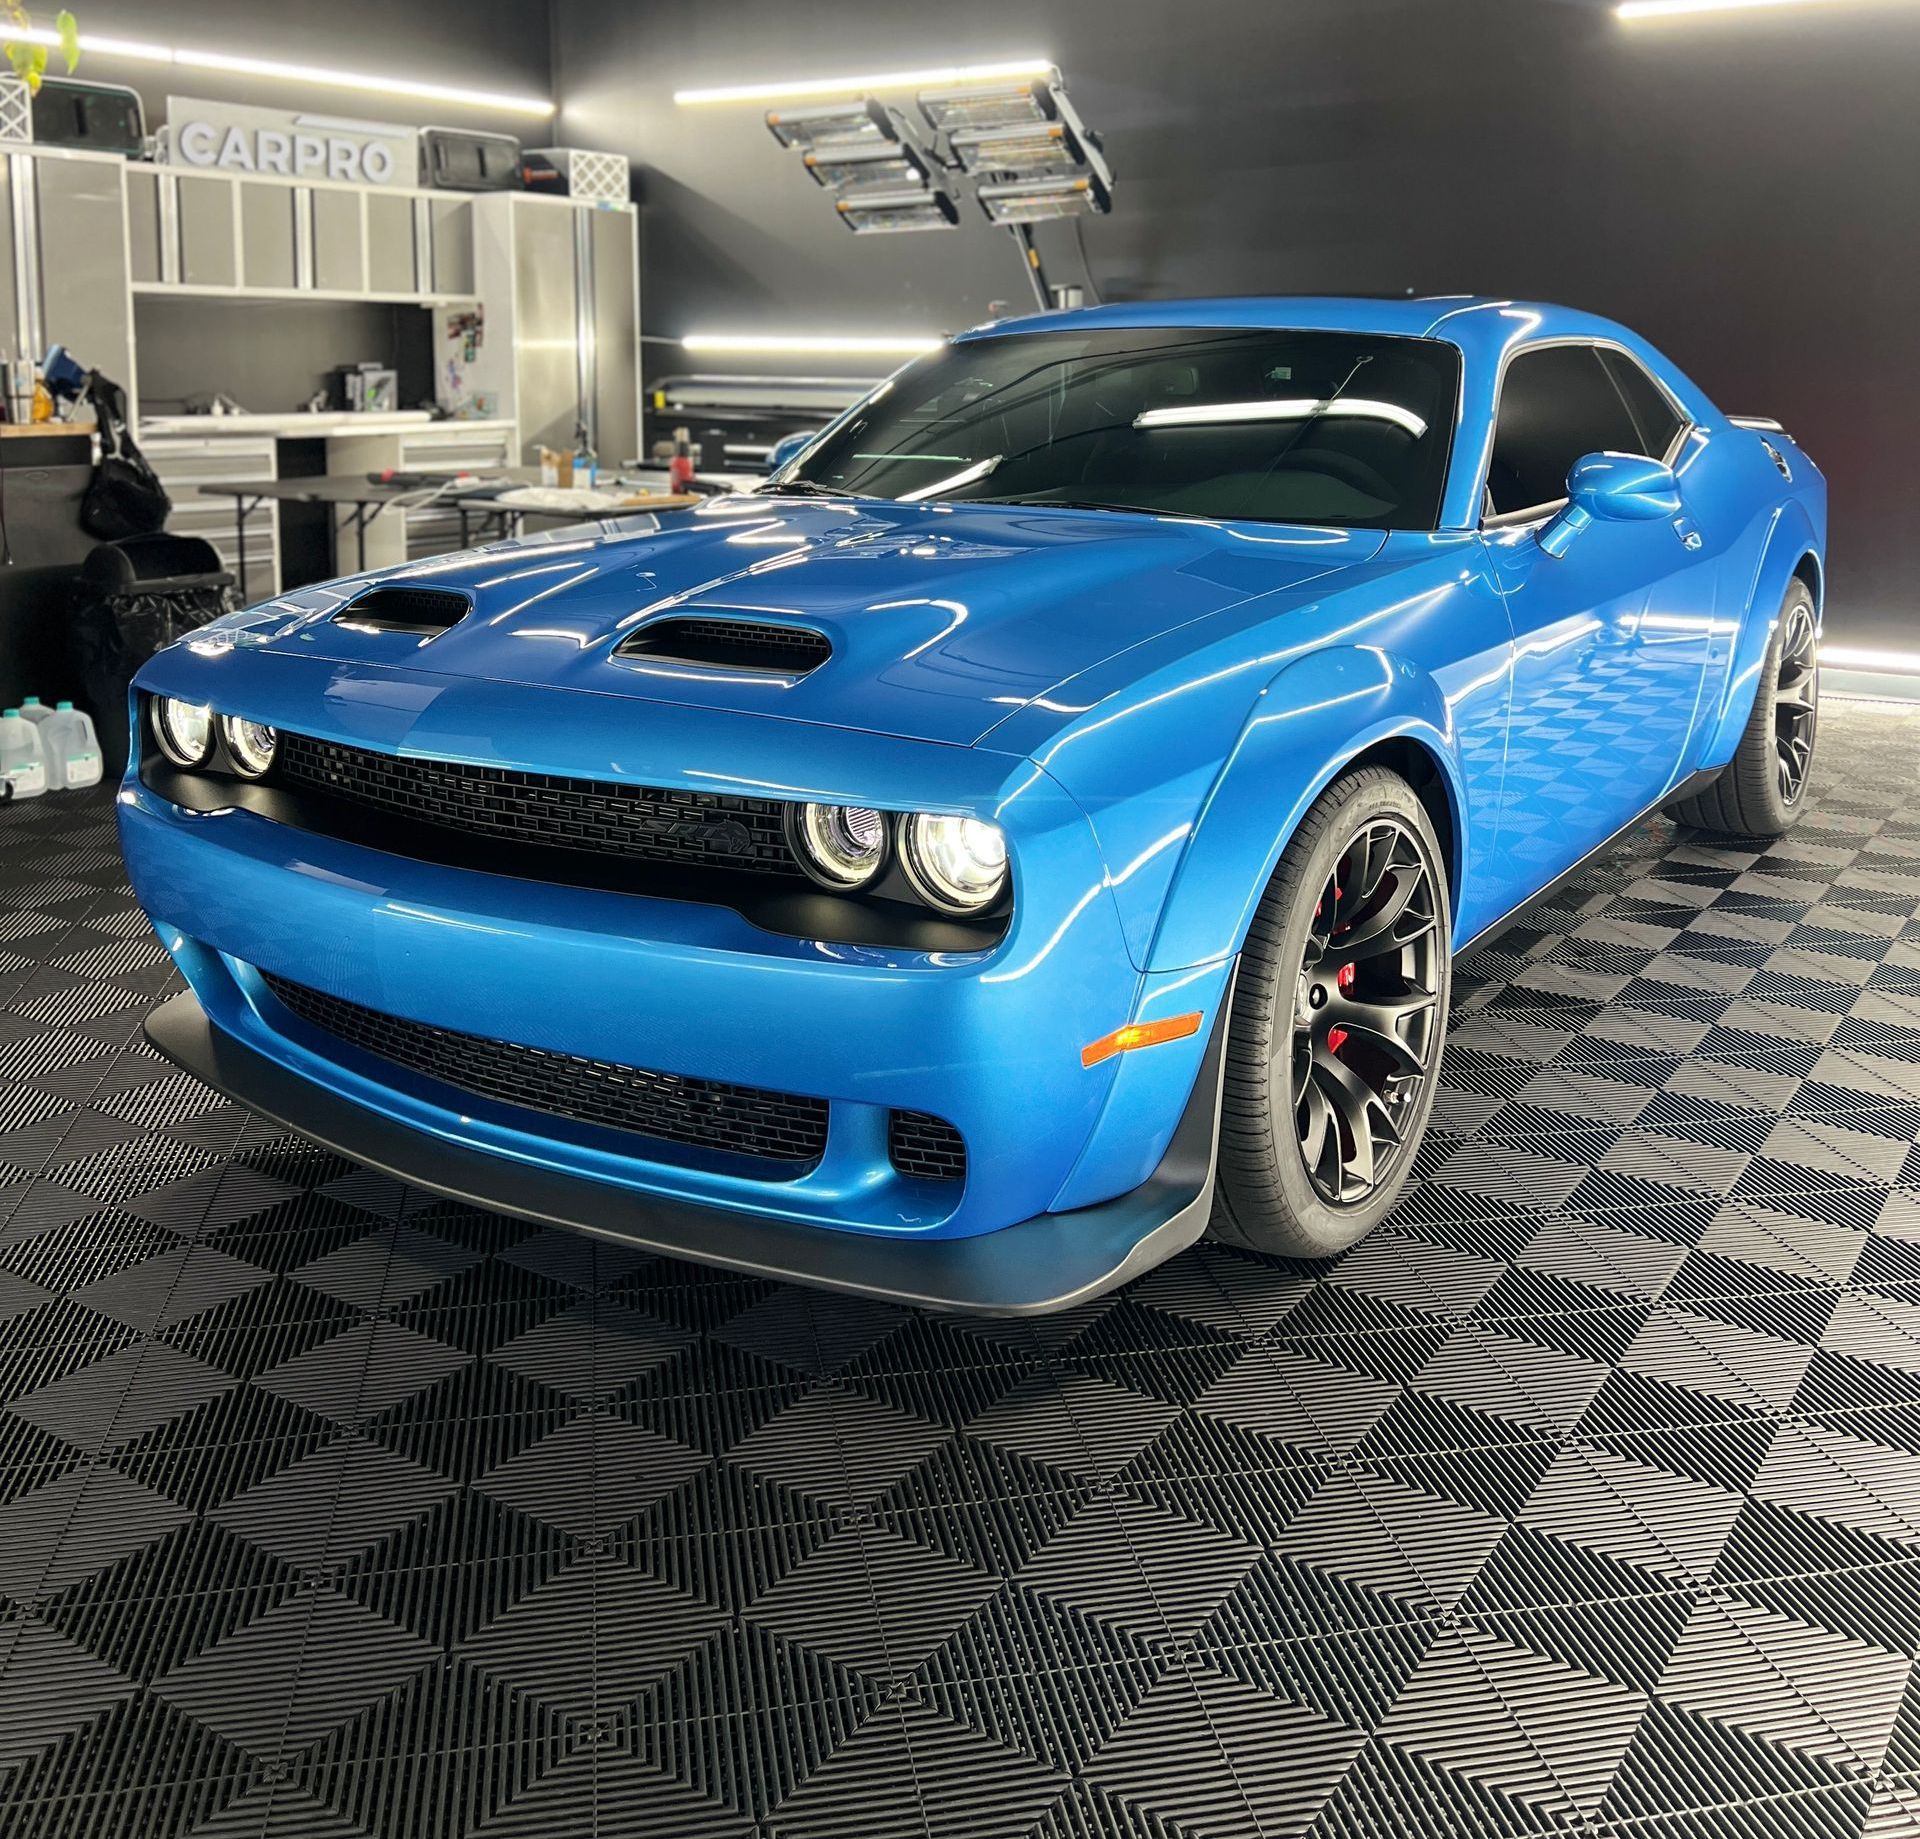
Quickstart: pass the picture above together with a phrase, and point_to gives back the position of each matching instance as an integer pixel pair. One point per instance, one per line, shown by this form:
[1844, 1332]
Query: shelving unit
[225, 236]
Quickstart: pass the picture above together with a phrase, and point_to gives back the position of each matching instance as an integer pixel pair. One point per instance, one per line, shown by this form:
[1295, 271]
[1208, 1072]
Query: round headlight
[957, 864]
[250, 745]
[841, 846]
[183, 729]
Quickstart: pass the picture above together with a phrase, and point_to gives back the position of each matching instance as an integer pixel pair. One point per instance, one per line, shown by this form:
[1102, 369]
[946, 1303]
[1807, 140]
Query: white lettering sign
[232, 138]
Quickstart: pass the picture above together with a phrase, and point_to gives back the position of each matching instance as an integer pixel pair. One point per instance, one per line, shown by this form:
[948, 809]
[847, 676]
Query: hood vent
[423, 611]
[729, 644]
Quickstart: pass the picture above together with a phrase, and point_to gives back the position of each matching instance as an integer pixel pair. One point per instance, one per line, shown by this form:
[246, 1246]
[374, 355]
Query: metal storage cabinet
[561, 282]
[63, 235]
[269, 235]
[183, 461]
[193, 232]
[209, 230]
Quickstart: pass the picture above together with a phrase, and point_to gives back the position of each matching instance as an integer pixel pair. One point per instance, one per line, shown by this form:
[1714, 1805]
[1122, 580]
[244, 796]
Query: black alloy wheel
[1365, 1006]
[1796, 700]
[1338, 1022]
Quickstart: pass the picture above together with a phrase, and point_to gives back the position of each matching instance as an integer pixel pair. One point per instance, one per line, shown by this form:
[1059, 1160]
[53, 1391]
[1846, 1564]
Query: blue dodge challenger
[1032, 831]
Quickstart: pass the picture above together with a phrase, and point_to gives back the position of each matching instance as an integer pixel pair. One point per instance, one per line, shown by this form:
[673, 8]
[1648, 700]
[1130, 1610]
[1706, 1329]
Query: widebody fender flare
[1791, 538]
[1309, 722]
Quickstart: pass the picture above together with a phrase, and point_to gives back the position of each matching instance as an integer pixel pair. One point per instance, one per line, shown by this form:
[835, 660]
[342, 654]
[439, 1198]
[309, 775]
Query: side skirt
[1696, 782]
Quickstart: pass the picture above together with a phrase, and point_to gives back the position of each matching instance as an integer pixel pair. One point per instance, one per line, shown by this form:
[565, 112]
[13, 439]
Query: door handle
[1688, 532]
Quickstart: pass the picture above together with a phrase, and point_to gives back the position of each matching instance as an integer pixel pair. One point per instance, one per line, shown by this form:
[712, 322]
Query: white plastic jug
[23, 764]
[32, 709]
[73, 749]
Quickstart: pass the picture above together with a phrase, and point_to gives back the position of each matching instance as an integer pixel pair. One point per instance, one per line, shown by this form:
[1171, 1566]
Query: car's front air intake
[760, 646]
[420, 610]
[925, 1148]
[776, 1127]
[546, 811]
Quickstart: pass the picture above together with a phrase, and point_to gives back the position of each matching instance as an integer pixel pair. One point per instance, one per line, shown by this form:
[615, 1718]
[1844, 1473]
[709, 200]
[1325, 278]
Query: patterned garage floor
[1584, 1498]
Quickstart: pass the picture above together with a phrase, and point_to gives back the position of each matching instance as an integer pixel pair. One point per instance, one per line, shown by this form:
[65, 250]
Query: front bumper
[1049, 1262]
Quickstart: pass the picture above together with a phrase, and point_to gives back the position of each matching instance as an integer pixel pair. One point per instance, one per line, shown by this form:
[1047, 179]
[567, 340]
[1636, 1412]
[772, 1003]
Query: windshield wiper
[1078, 504]
[807, 488]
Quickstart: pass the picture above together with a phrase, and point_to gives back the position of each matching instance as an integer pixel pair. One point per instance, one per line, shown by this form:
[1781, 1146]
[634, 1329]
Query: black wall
[1742, 189]
[499, 46]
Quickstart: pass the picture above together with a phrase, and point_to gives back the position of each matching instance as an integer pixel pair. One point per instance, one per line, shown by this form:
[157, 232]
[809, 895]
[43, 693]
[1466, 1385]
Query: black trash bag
[125, 497]
[133, 597]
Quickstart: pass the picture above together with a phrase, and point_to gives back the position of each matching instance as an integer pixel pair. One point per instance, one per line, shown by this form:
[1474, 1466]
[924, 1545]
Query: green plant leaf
[28, 62]
[69, 29]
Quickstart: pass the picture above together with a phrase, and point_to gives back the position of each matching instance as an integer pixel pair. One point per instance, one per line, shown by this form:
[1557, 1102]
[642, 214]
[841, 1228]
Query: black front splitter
[1049, 1262]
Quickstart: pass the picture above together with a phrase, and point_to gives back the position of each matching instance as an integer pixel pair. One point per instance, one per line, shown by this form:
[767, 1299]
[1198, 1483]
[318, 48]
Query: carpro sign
[230, 137]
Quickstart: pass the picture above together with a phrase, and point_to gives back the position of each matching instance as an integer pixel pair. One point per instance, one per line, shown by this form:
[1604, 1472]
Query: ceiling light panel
[841, 124]
[843, 168]
[873, 211]
[1039, 200]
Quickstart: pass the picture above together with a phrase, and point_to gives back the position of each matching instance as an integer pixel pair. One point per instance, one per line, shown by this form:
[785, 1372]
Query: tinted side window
[1556, 406]
[1656, 418]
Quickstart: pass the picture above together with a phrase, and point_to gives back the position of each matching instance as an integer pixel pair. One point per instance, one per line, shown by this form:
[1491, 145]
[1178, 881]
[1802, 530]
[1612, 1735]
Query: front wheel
[1339, 1014]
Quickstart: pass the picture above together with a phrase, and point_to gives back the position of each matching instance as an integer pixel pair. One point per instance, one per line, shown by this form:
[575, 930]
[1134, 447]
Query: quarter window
[1653, 414]
[1556, 406]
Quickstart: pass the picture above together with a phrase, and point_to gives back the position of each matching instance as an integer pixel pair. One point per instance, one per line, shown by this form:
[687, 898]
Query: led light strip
[905, 345]
[145, 53]
[1673, 9]
[1850, 657]
[951, 74]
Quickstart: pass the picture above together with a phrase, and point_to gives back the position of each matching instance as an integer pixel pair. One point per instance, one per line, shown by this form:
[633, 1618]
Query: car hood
[943, 619]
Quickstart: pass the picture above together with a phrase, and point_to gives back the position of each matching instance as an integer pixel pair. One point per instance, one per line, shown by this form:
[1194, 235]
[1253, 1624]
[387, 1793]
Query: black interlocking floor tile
[1583, 1498]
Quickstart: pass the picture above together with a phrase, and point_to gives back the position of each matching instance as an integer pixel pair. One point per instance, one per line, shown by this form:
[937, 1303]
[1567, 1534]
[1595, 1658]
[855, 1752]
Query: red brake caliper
[1337, 1037]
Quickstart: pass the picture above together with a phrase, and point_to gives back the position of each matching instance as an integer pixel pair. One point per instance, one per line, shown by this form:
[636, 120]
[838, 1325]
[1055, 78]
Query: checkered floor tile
[1584, 1498]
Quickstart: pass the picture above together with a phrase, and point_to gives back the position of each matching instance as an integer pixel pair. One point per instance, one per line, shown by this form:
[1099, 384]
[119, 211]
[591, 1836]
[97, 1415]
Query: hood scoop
[422, 611]
[759, 646]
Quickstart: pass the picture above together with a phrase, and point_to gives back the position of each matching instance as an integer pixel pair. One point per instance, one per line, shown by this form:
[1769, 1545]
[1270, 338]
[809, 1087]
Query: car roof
[1481, 325]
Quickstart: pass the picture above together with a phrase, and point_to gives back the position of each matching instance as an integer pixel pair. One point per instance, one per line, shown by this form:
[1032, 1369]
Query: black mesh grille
[925, 1148]
[775, 1126]
[596, 816]
[731, 644]
[406, 609]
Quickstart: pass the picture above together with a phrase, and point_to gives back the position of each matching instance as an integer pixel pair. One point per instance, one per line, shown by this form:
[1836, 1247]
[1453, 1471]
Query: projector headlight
[183, 729]
[957, 865]
[843, 847]
[250, 745]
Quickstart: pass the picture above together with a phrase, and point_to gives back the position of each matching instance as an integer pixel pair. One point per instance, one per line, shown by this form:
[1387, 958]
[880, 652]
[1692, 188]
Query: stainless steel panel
[449, 453]
[339, 253]
[616, 336]
[390, 251]
[267, 235]
[452, 246]
[85, 304]
[143, 222]
[209, 240]
[546, 304]
[10, 276]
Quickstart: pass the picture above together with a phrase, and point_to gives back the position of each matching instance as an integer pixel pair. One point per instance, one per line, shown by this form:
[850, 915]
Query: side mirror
[1621, 488]
[789, 448]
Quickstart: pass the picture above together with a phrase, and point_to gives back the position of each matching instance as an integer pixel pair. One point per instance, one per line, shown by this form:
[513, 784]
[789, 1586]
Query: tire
[1763, 788]
[1282, 1151]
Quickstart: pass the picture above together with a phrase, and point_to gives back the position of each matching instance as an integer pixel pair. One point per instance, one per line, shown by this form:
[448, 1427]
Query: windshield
[1325, 428]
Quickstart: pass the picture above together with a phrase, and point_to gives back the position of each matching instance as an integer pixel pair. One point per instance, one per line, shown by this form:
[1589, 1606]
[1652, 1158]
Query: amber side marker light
[1139, 1034]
